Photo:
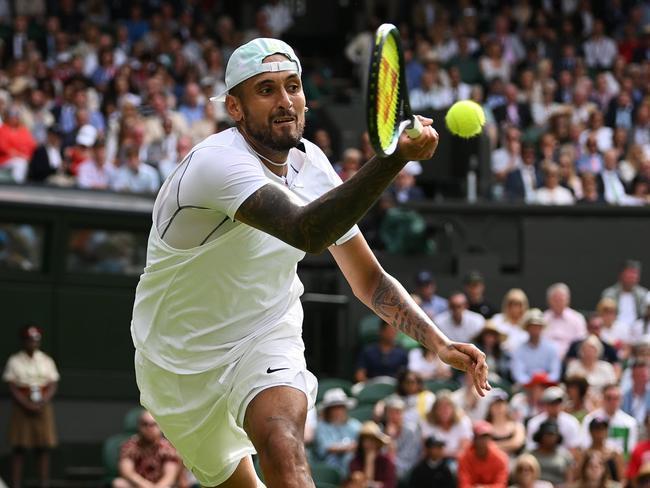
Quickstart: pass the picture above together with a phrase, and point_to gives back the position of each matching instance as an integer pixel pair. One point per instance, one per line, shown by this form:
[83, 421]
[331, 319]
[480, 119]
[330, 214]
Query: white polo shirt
[212, 285]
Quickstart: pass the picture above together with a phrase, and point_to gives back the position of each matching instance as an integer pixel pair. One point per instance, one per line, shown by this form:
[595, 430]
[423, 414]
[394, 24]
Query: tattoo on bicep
[388, 302]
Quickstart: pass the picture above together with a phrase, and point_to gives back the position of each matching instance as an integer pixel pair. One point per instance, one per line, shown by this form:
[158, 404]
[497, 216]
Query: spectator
[553, 400]
[427, 364]
[528, 403]
[622, 435]
[370, 458]
[595, 327]
[192, 108]
[578, 402]
[598, 373]
[613, 331]
[459, 89]
[134, 176]
[592, 160]
[554, 460]
[335, 441]
[526, 473]
[590, 193]
[434, 469]
[350, 164]
[620, 112]
[46, 159]
[81, 151]
[641, 130]
[183, 147]
[459, 323]
[447, 422]
[492, 64]
[474, 287]
[565, 325]
[279, 17]
[16, 145]
[426, 288]
[641, 454]
[508, 434]
[206, 125]
[406, 440]
[32, 377]
[636, 399]
[628, 293]
[600, 50]
[611, 460]
[465, 61]
[384, 358]
[538, 354]
[404, 188]
[604, 135]
[552, 193]
[643, 478]
[470, 402]
[521, 183]
[147, 458]
[612, 186]
[94, 173]
[482, 463]
[509, 321]
[513, 112]
[594, 472]
[505, 160]
[418, 400]
[433, 92]
[641, 326]
[490, 340]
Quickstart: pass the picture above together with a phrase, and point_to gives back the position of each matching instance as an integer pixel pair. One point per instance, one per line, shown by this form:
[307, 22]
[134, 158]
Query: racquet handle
[415, 128]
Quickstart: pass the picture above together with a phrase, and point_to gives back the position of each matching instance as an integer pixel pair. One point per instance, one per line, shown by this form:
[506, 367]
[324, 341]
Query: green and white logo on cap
[248, 60]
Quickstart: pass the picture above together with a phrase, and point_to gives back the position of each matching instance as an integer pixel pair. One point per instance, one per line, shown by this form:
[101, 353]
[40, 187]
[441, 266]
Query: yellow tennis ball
[465, 119]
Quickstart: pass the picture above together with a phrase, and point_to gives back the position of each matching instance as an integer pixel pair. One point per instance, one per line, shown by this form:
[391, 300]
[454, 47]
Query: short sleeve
[220, 178]
[52, 374]
[9, 375]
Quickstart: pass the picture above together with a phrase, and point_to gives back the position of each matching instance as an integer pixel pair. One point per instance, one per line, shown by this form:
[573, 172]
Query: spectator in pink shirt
[564, 324]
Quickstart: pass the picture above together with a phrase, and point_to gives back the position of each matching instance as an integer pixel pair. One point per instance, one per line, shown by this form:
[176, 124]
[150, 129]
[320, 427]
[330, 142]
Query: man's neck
[268, 157]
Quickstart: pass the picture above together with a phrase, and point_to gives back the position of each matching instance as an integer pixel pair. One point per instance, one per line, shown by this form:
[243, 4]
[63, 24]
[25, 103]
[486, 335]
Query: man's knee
[283, 443]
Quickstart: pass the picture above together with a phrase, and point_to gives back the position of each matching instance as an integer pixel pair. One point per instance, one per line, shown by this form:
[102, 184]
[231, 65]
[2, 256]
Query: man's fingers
[424, 120]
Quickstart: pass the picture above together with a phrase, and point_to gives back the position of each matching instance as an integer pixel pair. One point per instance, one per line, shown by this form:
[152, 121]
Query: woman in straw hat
[336, 434]
[378, 467]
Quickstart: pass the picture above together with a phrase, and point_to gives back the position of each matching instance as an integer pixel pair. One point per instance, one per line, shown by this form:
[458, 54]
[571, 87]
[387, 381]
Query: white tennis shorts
[202, 414]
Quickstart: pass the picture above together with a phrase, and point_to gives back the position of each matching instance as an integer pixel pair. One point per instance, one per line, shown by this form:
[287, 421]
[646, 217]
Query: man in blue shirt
[384, 358]
[537, 354]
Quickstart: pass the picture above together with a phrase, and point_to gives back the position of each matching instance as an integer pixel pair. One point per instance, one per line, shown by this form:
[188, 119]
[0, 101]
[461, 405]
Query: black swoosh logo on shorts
[269, 370]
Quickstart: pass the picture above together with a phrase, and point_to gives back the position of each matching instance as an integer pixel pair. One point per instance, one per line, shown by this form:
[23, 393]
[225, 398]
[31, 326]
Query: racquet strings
[388, 93]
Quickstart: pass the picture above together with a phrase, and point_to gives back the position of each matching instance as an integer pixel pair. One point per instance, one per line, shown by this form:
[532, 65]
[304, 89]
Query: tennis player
[217, 318]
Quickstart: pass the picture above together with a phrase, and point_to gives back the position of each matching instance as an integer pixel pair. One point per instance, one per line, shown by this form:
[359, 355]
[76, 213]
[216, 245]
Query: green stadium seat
[407, 342]
[323, 484]
[369, 329]
[324, 473]
[372, 393]
[111, 455]
[438, 385]
[362, 412]
[325, 384]
[131, 420]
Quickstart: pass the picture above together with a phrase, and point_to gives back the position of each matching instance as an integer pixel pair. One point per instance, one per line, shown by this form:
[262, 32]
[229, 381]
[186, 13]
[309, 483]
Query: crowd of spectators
[113, 95]
[570, 404]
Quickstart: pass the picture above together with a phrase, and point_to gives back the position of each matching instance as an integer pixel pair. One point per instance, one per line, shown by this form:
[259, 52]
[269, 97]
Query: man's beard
[263, 134]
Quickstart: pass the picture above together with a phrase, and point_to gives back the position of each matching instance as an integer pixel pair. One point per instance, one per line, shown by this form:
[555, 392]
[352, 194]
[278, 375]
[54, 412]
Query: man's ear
[234, 109]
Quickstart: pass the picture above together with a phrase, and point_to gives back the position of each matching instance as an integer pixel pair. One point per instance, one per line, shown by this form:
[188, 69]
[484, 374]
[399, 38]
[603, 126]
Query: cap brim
[220, 98]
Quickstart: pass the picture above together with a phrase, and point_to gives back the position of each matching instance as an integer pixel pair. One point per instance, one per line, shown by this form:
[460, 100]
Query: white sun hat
[248, 60]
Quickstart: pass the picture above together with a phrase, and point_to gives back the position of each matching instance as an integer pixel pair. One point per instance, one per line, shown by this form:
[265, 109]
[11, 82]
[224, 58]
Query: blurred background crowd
[112, 95]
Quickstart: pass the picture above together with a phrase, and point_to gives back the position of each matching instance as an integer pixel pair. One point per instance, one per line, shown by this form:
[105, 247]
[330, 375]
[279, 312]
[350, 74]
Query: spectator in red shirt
[483, 463]
[640, 455]
[147, 460]
[16, 145]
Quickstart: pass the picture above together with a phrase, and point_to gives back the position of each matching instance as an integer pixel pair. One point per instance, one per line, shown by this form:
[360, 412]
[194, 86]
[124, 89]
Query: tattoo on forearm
[317, 225]
[388, 301]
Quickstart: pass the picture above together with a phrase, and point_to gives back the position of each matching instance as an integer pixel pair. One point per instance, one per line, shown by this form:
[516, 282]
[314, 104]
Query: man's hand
[421, 147]
[470, 359]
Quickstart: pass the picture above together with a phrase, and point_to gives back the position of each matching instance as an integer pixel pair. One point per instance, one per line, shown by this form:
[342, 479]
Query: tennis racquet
[388, 109]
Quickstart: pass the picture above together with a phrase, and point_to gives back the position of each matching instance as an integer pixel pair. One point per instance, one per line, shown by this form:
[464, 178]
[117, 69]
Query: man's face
[640, 375]
[271, 108]
[457, 305]
[630, 277]
[435, 452]
[612, 400]
[553, 409]
[148, 428]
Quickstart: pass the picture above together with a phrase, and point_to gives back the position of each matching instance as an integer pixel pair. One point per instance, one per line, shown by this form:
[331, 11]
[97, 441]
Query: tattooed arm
[392, 303]
[315, 226]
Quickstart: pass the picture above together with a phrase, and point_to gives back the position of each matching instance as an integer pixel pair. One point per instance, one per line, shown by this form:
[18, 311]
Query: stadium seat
[325, 384]
[131, 420]
[323, 484]
[369, 329]
[111, 455]
[437, 385]
[324, 473]
[362, 412]
[372, 393]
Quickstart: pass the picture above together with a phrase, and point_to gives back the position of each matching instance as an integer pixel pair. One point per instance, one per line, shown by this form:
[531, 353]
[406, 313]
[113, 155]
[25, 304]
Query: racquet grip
[415, 129]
